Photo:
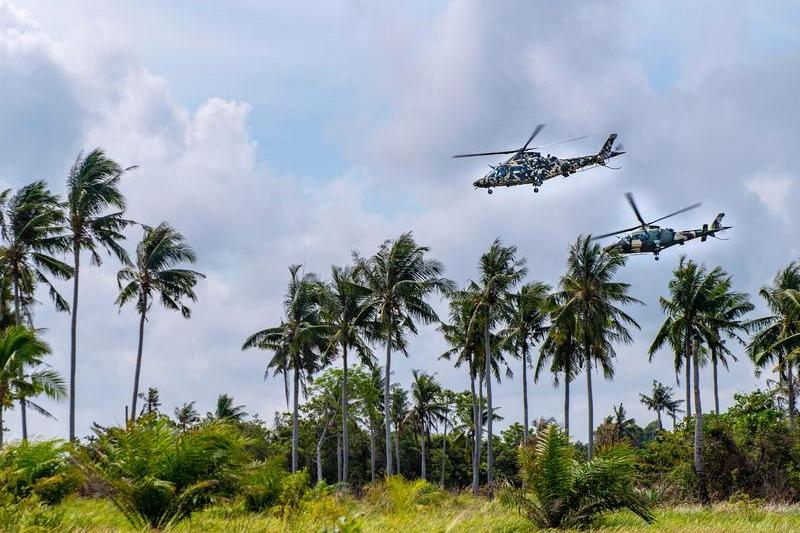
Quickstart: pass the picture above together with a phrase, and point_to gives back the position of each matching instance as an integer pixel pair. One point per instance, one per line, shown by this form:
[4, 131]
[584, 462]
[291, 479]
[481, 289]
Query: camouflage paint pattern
[532, 168]
[653, 239]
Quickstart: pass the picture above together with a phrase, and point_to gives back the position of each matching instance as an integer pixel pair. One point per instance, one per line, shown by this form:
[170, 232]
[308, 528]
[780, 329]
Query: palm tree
[726, 320]
[159, 272]
[500, 270]
[589, 291]
[400, 279]
[32, 224]
[561, 350]
[777, 334]
[351, 326]
[186, 416]
[660, 399]
[19, 349]
[92, 189]
[399, 410]
[618, 428]
[526, 318]
[226, 410]
[300, 337]
[426, 410]
[689, 310]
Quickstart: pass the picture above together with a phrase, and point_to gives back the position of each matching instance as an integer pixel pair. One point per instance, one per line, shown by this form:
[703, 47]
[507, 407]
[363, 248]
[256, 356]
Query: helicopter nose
[481, 182]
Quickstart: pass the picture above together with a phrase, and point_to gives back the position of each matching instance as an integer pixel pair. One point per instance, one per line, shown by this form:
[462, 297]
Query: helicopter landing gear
[656, 257]
[536, 189]
[489, 191]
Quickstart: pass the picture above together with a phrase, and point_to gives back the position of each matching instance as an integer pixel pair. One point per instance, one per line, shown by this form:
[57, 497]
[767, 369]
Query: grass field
[450, 514]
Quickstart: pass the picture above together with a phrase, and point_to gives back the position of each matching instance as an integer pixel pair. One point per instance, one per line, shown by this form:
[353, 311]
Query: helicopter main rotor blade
[486, 153]
[534, 134]
[604, 235]
[678, 212]
[629, 196]
[559, 142]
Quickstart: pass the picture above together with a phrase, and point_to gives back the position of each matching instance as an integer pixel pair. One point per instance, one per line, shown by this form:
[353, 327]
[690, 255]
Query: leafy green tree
[588, 291]
[526, 317]
[777, 335]
[186, 416]
[300, 338]
[367, 390]
[323, 408]
[32, 224]
[561, 350]
[92, 191]
[618, 428]
[350, 319]
[159, 273]
[500, 271]
[426, 410]
[689, 309]
[400, 278]
[21, 349]
[399, 411]
[151, 402]
[227, 410]
[660, 399]
[561, 491]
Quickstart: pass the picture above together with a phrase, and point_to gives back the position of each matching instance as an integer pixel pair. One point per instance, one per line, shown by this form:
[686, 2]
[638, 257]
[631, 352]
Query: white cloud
[772, 190]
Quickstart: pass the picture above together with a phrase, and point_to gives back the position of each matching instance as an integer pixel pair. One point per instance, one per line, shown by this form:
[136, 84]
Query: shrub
[262, 486]
[562, 491]
[38, 468]
[293, 491]
[158, 475]
[396, 494]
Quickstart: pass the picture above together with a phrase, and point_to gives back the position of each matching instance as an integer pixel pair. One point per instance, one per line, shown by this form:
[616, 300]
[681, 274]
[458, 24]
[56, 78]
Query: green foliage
[562, 491]
[263, 485]
[293, 490]
[38, 468]
[158, 475]
[396, 494]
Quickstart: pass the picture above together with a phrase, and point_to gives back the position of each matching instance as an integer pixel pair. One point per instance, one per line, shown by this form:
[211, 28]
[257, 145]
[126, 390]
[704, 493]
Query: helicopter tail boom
[608, 150]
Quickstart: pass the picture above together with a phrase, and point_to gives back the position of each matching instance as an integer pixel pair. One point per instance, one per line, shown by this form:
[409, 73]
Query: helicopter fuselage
[654, 239]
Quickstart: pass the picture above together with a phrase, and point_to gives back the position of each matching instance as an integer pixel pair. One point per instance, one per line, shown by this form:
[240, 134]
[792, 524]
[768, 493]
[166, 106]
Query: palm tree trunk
[489, 411]
[319, 453]
[17, 321]
[372, 448]
[423, 470]
[566, 402]
[73, 361]
[345, 407]
[699, 465]
[525, 392]
[660, 425]
[590, 405]
[688, 356]
[338, 457]
[790, 390]
[2, 429]
[714, 376]
[397, 446]
[387, 414]
[295, 417]
[480, 426]
[475, 423]
[444, 455]
[138, 359]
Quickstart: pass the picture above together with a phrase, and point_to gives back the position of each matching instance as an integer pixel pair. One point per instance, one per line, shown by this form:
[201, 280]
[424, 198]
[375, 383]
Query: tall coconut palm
[526, 318]
[92, 190]
[426, 411]
[660, 399]
[589, 291]
[301, 336]
[689, 309]
[500, 270]
[400, 278]
[32, 224]
[725, 320]
[777, 335]
[560, 353]
[227, 410]
[158, 273]
[21, 349]
[351, 326]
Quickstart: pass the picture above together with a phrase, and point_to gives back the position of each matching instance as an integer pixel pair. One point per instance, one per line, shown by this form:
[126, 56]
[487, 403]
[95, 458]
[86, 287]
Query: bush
[262, 486]
[562, 491]
[38, 468]
[396, 494]
[293, 491]
[158, 475]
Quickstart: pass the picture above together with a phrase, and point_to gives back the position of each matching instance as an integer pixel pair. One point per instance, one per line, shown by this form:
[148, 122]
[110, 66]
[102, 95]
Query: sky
[269, 134]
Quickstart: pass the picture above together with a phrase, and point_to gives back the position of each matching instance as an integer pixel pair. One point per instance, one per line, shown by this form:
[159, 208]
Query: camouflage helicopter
[527, 166]
[649, 238]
